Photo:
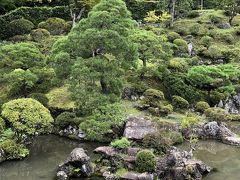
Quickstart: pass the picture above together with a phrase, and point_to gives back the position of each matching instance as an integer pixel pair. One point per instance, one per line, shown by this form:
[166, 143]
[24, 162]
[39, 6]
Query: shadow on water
[224, 158]
[46, 152]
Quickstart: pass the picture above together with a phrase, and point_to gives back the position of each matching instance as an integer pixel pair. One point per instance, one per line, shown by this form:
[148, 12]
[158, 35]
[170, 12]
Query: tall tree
[232, 8]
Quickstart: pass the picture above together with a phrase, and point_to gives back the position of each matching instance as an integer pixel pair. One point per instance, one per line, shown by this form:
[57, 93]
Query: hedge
[33, 14]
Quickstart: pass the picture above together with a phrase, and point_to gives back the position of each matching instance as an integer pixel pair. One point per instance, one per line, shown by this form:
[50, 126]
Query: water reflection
[46, 153]
[225, 158]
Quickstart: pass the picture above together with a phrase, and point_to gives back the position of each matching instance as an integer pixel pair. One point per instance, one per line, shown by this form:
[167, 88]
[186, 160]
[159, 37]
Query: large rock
[77, 165]
[219, 131]
[137, 127]
[225, 25]
[177, 165]
[231, 104]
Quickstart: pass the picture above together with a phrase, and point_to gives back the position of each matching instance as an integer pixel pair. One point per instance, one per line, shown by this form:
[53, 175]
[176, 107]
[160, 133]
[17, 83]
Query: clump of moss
[201, 106]
[121, 143]
[217, 114]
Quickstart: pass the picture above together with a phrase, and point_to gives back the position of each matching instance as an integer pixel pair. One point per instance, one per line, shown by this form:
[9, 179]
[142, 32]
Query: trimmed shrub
[206, 41]
[146, 161]
[157, 141]
[13, 150]
[121, 143]
[180, 102]
[40, 97]
[198, 30]
[55, 26]
[33, 14]
[181, 46]
[65, 119]
[176, 137]
[178, 65]
[172, 36]
[19, 27]
[228, 38]
[193, 14]
[216, 19]
[217, 114]
[40, 34]
[214, 52]
[154, 93]
[165, 110]
[201, 106]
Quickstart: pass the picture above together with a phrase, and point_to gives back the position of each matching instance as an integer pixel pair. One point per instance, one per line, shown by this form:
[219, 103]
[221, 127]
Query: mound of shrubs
[19, 27]
[39, 34]
[121, 143]
[201, 106]
[55, 26]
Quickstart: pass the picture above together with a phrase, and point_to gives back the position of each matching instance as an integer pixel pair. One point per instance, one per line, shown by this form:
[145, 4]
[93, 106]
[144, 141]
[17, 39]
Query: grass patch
[60, 98]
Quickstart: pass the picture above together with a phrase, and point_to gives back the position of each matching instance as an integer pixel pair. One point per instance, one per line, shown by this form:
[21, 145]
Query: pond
[46, 152]
[225, 158]
[49, 151]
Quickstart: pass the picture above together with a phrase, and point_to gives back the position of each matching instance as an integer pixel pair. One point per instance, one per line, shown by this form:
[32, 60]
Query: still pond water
[49, 151]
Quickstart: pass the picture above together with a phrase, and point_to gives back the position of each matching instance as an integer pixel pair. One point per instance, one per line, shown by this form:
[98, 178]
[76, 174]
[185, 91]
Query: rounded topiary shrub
[172, 36]
[146, 161]
[154, 93]
[55, 26]
[217, 114]
[178, 65]
[40, 34]
[19, 27]
[201, 106]
[27, 116]
[180, 102]
[206, 41]
[181, 46]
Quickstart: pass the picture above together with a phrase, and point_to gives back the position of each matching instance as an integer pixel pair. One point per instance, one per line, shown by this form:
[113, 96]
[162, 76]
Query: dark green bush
[217, 114]
[206, 41]
[2, 125]
[65, 119]
[55, 26]
[157, 141]
[176, 137]
[40, 34]
[181, 47]
[180, 102]
[154, 94]
[42, 98]
[19, 27]
[201, 106]
[215, 19]
[121, 143]
[33, 14]
[193, 14]
[146, 161]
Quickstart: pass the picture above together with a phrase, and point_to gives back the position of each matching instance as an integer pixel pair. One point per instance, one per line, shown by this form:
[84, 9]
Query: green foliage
[217, 114]
[20, 82]
[42, 98]
[157, 141]
[178, 65]
[27, 116]
[193, 14]
[55, 26]
[154, 94]
[146, 161]
[201, 106]
[216, 19]
[181, 46]
[189, 121]
[98, 127]
[35, 14]
[39, 34]
[13, 150]
[176, 137]
[121, 143]
[65, 119]
[173, 35]
[2, 125]
[180, 102]
[206, 41]
[19, 27]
